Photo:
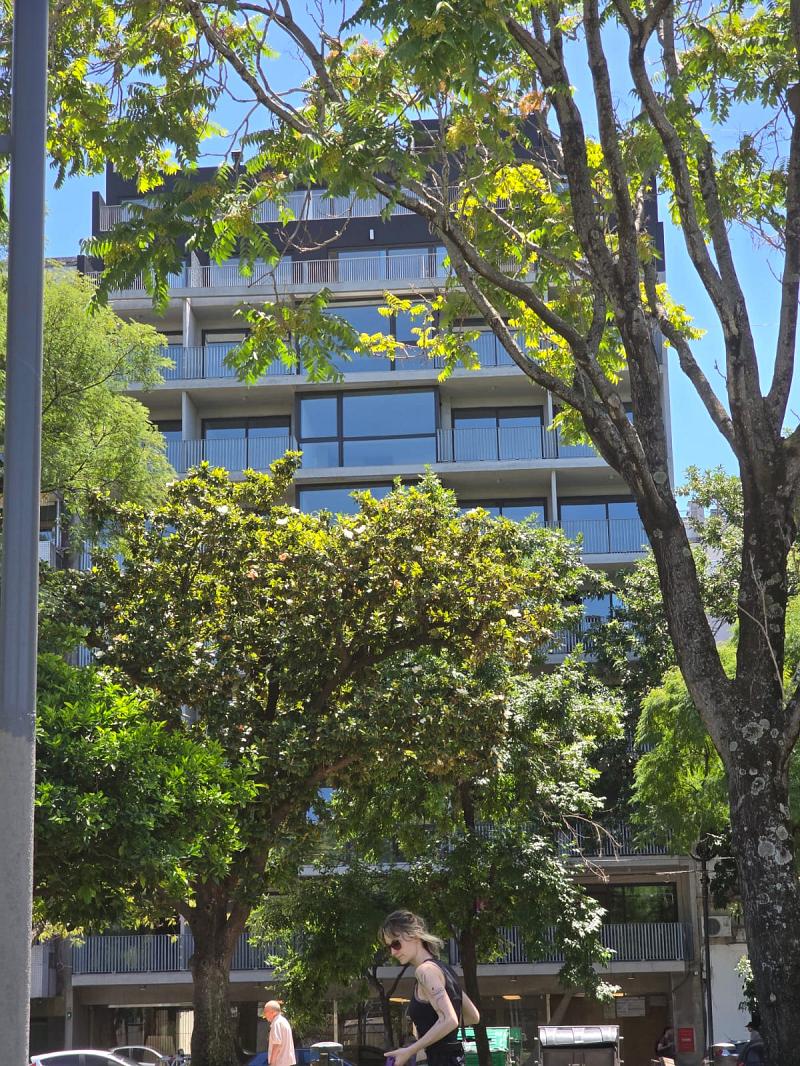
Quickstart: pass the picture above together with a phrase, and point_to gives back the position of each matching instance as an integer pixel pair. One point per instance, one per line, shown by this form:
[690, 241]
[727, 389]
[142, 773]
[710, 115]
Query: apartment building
[486, 435]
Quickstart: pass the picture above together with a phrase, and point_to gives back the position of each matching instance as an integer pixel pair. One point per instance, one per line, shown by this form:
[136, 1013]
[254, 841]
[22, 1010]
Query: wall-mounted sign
[686, 1039]
[631, 1007]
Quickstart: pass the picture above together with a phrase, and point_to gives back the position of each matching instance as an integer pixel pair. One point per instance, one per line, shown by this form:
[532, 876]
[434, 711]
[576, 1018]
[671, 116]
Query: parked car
[81, 1057]
[304, 1055]
[141, 1054]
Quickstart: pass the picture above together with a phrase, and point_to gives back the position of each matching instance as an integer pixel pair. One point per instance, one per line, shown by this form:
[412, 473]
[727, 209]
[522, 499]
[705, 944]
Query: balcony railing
[368, 272]
[610, 841]
[632, 942]
[567, 640]
[308, 205]
[505, 443]
[249, 453]
[208, 361]
[156, 953]
[612, 536]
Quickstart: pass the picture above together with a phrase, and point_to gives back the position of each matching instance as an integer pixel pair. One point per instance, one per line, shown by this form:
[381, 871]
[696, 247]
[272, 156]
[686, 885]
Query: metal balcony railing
[248, 453]
[208, 361]
[505, 443]
[568, 639]
[631, 942]
[307, 205]
[614, 839]
[611, 536]
[156, 953]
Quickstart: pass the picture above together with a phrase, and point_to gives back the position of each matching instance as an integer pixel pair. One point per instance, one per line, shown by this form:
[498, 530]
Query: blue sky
[695, 439]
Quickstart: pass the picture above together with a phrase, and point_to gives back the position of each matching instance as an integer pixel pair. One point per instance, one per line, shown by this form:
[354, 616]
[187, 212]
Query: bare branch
[783, 372]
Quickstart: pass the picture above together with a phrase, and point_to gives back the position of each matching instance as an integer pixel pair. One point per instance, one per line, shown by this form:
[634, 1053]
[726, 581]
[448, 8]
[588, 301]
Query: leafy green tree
[544, 217]
[479, 844]
[93, 436]
[294, 642]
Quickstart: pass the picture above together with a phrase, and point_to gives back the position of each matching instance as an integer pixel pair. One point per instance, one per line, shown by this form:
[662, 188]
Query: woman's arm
[432, 988]
[469, 1012]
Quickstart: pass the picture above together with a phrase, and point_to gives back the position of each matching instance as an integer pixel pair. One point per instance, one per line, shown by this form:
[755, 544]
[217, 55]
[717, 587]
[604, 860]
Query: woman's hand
[401, 1055]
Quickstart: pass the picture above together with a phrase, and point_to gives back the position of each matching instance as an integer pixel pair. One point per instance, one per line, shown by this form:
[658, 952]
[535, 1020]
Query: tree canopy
[93, 436]
[303, 649]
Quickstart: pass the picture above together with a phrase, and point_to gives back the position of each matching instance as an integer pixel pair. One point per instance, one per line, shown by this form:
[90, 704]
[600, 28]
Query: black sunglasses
[394, 945]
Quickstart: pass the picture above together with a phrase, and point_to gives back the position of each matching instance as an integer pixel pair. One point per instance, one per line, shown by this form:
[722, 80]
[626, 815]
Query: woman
[438, 1006]
[665, 1045]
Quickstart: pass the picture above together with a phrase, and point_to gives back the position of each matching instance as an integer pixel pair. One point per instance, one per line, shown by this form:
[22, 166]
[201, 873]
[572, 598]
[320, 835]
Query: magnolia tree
[542, 205]
[291, 644]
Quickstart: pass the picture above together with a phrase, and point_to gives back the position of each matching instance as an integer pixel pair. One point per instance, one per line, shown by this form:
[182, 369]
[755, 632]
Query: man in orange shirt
[280, 1050]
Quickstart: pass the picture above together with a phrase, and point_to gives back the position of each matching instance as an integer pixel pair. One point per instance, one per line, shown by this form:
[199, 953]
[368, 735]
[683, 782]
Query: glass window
[371, 429]
[318, 417]
[637, 903]
[404, 323]
[516, 510]
[365, 319]
[337, 498]
[389, 413]
[486, 433]
[392, 451]
[170, 429]
[241, 443]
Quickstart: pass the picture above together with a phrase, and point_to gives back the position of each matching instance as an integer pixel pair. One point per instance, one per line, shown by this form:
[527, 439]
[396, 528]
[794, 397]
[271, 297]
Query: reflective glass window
[337, 498]
[392, 451]
[389, 413]
[170, 430]
[318, 416]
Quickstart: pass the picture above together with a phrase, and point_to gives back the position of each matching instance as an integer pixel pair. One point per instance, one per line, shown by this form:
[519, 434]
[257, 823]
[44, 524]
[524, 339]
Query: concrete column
[190, 419]
[191, 331]
[687, 1013]
[553, 498]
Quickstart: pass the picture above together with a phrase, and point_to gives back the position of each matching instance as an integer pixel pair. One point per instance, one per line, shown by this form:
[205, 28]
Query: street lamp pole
[21, 492]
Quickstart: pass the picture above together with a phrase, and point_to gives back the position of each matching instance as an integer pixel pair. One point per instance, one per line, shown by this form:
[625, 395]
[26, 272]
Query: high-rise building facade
[486, 434]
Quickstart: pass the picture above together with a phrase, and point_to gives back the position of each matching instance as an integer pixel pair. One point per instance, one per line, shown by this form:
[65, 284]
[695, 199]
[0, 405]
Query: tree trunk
[469, 964]
[215, 935]
[764, 848]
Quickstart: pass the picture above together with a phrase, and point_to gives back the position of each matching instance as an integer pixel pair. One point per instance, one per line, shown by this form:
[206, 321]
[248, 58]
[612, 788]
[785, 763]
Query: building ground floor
[119, 1011]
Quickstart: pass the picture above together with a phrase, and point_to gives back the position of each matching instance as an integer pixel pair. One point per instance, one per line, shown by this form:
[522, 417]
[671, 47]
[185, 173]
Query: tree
[509, 167]
[93, 436]
[293, 641]
[479, 844]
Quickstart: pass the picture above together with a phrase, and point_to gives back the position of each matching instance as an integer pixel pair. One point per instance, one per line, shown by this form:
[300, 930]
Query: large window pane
[320, 454]
[337, 498]
[590, 520]
[318, 417]
[395, 451]
[386, 414]
[518, 512]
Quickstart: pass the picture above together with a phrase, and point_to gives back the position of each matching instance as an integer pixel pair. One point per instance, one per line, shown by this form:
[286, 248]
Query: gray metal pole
[21, 487]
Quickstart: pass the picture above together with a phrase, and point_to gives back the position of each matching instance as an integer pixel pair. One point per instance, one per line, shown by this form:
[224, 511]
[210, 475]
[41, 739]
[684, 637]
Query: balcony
[612, 840]
[234, 454]
[567, 640]
[159, 953]
[633, 942]
[145, 953]
[367, 273]
[610, 536]
[308, 205]
[494, 444]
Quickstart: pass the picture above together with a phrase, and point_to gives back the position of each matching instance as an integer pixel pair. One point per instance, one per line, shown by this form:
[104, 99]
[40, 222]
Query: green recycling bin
[505, 1045]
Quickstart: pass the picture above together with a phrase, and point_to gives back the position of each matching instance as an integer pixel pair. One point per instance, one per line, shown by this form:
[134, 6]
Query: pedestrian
[280, 1050]
[438, 1006]
[665, 1045]
[753, 1054]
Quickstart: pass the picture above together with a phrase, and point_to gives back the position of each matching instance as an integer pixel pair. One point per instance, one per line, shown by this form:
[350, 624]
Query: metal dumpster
[578, 1045]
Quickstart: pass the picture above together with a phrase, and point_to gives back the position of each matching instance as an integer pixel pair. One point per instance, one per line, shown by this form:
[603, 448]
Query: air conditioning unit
[719, 926]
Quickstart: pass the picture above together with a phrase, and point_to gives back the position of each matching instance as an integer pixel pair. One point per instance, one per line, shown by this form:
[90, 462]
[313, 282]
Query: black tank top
[425, 1017]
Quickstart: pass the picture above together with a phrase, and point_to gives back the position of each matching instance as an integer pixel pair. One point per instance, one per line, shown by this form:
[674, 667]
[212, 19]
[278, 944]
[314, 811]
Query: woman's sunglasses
[394, 945]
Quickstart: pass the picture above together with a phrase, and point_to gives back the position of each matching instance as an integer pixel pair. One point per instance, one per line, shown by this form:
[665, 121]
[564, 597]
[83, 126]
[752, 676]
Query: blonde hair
[406, 923]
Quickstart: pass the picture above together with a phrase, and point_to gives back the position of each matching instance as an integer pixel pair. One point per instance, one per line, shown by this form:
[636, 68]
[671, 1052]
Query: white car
[88, 1057]
[147, 1056]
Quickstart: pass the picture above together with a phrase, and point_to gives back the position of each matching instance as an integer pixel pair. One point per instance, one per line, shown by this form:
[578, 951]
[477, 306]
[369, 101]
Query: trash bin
[578, 1045]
